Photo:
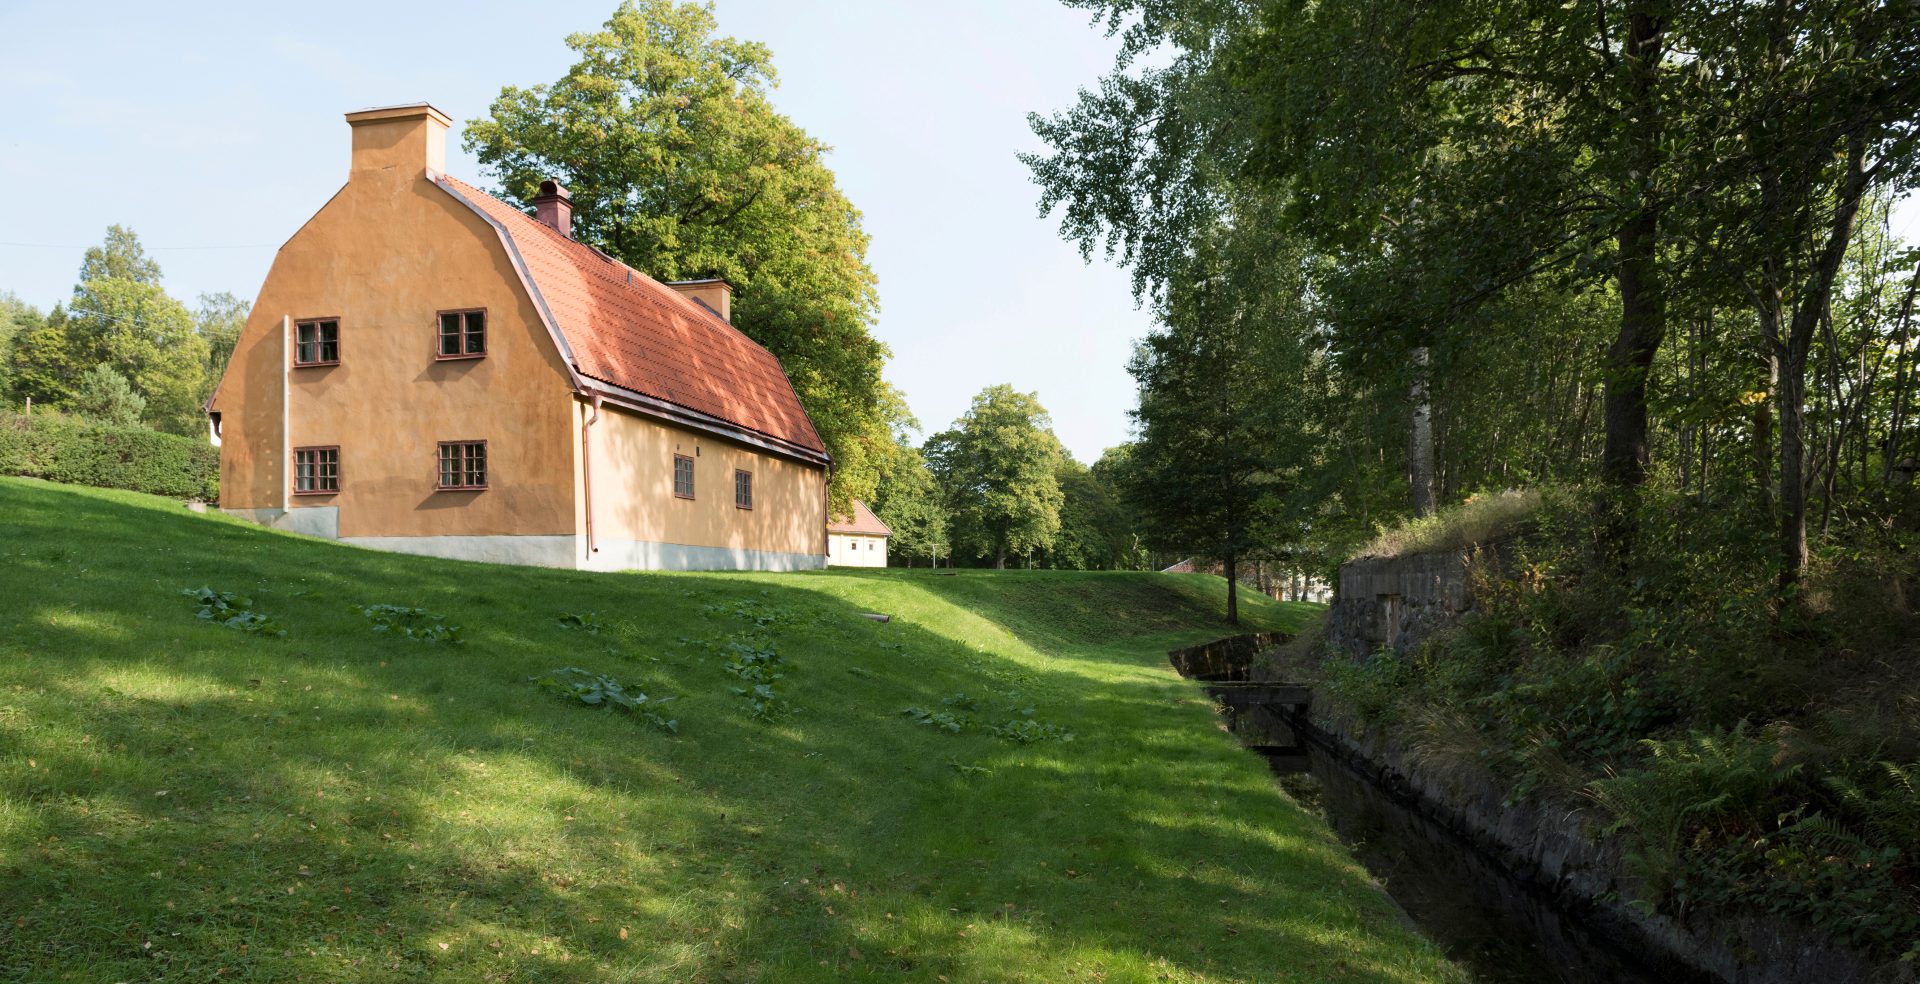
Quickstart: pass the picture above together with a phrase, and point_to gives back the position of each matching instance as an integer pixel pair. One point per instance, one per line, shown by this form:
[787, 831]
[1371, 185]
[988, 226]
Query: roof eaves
[656, 407]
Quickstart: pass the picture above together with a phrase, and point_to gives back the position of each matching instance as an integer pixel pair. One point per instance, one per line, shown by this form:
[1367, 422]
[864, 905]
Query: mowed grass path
[181, 801]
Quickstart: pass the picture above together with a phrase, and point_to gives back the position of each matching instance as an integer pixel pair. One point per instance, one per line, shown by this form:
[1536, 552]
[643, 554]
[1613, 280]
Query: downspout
[286, 413]
[826, 515]
[586, 470]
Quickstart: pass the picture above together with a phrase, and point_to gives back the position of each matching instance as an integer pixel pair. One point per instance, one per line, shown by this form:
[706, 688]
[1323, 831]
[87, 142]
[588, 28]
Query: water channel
[1501, 928]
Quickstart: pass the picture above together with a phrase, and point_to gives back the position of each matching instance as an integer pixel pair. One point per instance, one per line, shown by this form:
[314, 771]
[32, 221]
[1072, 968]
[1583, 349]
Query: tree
[1811, 108]
[1114, 473]
[995, 468]
[218, 321]
[680, 166]
[1095, 531]
[1205, 455]
[104, 395]
[16, 318]
[41, 365]
[121, 317]
[908, 500]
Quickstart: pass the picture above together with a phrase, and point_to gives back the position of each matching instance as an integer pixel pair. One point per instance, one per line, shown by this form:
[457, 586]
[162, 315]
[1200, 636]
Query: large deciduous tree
[679, 165]
[17, 317]
[908, 500]
[121, 317]
[1096, 532]
[996, 468]
[219, 320]
[1808, 109]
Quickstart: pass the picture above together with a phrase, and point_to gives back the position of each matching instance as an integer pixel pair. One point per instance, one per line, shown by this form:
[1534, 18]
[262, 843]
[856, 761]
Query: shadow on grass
[176, 798]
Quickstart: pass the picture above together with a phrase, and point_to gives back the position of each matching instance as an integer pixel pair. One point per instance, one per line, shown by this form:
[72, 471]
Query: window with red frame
[463, 465]
[316, 471]
[682, 476]
[463, 335]
[316, 343]
[742, 489]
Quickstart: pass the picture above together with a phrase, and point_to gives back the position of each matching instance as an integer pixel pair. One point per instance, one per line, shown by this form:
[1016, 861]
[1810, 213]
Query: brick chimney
[406, 139]
[714, 293]
[554, 207]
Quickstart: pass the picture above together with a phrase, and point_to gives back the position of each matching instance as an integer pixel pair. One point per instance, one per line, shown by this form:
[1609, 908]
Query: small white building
[859, 540]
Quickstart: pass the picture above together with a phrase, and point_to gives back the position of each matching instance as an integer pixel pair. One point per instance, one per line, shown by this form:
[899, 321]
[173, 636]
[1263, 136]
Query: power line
[152, 248]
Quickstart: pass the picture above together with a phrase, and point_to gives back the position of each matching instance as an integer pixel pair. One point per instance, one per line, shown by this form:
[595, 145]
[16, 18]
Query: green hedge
[82, 452]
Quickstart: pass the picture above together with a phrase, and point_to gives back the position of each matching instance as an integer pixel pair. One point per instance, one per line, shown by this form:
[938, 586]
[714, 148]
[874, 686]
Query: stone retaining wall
[1395, 602]
[1227, 658]
[1554, 850]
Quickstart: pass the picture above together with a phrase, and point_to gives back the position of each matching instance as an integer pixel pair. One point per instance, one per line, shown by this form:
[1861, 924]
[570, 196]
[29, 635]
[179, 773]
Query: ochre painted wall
[387, 253]
[633, 498]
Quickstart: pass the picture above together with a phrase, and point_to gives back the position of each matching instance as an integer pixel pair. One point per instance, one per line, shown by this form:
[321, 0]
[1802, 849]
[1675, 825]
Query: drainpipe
[286, 414]
[826, 515]
[586, 471]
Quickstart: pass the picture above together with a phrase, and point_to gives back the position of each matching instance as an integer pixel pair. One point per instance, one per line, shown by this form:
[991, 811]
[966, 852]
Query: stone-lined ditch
[1502, 926]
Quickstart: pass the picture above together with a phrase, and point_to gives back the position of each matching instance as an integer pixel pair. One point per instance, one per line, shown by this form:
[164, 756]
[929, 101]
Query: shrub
[80, 452]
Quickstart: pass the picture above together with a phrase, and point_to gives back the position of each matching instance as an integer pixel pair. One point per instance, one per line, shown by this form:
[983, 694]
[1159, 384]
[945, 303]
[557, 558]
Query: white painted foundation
[531, 551]
[563, 550]
[320, 521]
[648, 555]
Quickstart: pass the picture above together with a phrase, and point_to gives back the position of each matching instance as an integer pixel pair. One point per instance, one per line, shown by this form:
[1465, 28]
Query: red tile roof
[635, 333]
[862, 521]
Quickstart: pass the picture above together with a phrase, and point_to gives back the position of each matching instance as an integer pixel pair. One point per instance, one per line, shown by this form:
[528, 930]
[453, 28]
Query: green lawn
[184, 801]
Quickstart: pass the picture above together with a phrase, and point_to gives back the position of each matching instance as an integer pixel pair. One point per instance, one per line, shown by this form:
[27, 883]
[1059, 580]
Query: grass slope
[183, 801]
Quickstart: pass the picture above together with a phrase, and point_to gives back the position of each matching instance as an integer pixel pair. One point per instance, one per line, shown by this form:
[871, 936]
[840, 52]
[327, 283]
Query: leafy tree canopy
[996, 468]
[680, 166]
[121, 317]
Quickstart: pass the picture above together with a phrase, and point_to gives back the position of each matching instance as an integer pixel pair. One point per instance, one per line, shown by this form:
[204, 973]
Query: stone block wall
[1395, 602]
[1223, 659]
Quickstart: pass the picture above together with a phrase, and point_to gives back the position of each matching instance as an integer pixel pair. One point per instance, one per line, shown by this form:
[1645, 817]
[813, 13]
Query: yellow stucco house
[427, 369]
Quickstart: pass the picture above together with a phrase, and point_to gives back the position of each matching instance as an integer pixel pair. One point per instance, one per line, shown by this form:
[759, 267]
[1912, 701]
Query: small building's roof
[863, 521]
[623, 328]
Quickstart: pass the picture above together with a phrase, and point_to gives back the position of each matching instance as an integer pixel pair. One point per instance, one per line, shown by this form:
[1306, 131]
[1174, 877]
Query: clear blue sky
[219, 125]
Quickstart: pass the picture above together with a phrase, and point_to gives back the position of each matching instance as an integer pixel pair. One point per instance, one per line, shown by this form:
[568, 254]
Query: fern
[1689, 789]
[1890, 812]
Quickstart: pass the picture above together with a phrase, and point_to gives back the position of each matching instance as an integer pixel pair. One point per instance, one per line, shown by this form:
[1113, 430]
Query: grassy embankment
[181, 800]
[1757, 751]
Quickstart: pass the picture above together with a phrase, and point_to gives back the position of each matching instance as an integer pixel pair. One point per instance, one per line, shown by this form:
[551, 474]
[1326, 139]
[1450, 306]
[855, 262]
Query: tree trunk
[1233, 589]
[1901, 370]
[1642, 325]
[1809, 307]
[1762, 415]
[1643, 306]
[1420, 466]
